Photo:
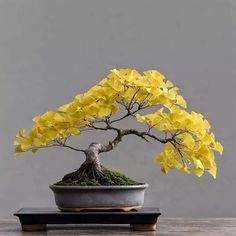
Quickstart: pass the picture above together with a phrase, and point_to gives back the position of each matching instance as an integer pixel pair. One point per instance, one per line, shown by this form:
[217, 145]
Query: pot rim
[138, 186]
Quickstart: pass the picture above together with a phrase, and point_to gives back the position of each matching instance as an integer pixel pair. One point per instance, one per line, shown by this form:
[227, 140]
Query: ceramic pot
[78, 198]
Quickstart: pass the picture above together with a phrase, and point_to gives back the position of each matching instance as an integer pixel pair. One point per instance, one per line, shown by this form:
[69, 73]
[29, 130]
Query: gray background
[52, 50]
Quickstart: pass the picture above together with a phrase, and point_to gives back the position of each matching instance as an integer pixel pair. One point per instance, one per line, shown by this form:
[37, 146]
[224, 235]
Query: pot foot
[33, 227]
[78, 209]
[144, 227]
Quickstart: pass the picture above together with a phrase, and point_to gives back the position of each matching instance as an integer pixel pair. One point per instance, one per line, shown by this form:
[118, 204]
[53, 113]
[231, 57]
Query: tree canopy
[189, 142]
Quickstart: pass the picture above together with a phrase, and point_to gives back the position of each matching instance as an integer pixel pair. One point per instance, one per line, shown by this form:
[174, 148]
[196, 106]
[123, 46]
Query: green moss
[89, 182]
[108, 178]
[117, 178]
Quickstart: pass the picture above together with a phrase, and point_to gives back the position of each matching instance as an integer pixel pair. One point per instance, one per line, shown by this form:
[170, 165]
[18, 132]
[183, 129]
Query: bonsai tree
[189, 145]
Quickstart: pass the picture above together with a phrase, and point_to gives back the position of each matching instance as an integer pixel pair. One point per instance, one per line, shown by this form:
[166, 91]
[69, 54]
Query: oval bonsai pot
[77, 198]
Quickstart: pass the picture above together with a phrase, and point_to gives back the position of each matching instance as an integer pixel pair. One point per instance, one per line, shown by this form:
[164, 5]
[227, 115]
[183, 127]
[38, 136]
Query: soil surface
[107, 178]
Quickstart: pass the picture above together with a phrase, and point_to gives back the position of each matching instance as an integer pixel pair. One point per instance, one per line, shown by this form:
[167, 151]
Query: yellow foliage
[195, 142]
[195, 147]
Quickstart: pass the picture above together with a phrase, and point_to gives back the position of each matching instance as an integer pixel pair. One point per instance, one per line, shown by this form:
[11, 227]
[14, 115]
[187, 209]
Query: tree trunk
[91, 168]
[92, 155]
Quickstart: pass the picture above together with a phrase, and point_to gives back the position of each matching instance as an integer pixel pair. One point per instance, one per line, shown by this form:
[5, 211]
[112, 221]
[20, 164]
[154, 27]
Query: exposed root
[86, 171]
[90, 175]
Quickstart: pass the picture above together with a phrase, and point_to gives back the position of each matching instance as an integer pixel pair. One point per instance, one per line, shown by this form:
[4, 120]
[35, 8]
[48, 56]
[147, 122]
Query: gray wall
[52, 50]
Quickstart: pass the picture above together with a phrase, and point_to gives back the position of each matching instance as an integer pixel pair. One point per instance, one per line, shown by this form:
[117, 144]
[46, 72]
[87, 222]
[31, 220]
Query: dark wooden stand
[36, 219]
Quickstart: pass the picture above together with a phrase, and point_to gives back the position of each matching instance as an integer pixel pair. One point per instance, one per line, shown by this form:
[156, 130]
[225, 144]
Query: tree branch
[121, 133]
[70, 147]
[144, 135]
[61, 144]
[108, 127]
[129, 113]
[112, 144]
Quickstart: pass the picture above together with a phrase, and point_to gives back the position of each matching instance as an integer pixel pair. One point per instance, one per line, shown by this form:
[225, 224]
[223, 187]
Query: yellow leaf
[140, 118]
[18, 150]
[169, 147]
[15, 143]
[34, 132]
[207, 125]
[26, 143]
[204, 151]
[172, 93]
[169, 84]
[64, 108]
[59, 118]
[188, 141]
[73, 131]
[115, 84]
[48, 115]
[176, 117]
[219, 148]
[165, 169]
[104, 111]
[38, 143]
[199, 168]
[207, 139]
[213, 170]
[92, 109]
[159, 158]
[154, 74]
[51, 134]
[36, 119]
[180, 101]
[114, 109]
[20, 134]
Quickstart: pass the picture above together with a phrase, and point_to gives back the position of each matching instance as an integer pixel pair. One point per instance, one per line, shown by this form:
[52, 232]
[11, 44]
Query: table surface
[165, 226]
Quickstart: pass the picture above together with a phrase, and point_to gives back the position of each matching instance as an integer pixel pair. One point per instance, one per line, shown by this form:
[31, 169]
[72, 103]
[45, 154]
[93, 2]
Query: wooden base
[36, 219]
[35, 227]
[100, 209]
[144, 227]
[42, 227]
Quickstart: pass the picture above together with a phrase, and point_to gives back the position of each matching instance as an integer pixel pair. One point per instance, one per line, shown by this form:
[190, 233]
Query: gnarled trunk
[91, 167]
[92, 155]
